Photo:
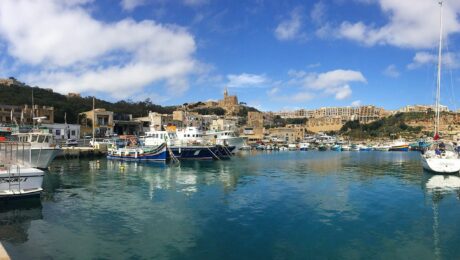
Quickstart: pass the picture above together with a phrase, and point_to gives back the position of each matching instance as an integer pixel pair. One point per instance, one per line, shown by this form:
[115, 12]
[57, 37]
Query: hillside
[390, 127]
[21, 95]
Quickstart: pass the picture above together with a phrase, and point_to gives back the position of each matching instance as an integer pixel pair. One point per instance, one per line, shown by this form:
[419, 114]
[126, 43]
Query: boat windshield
[442, 146]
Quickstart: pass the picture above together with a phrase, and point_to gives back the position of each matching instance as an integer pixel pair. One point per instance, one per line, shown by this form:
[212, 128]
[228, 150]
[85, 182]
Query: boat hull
[441, 165]
[42, 157]
[139, 154]
[401, 148]
[237, 142]
[201, 152]
[20, 182]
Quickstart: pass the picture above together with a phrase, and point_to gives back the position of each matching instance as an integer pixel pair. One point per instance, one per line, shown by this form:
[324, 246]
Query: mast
[33, 114]
[438, 84]
[94, 116]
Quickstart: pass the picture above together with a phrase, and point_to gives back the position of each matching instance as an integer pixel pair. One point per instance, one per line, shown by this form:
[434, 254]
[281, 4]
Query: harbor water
[259, 205]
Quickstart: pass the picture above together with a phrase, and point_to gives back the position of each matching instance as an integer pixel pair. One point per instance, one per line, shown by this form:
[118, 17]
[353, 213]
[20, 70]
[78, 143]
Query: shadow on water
[15, 218]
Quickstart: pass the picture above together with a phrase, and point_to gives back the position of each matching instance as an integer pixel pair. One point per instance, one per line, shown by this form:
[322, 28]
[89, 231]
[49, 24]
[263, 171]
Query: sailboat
[440, 157]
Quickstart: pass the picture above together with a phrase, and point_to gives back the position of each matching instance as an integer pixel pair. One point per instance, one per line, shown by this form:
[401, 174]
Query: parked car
[71, 142]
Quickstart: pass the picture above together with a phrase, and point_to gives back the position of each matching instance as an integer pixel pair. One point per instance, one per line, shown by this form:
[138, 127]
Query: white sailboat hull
[20, 181]
[441, 165]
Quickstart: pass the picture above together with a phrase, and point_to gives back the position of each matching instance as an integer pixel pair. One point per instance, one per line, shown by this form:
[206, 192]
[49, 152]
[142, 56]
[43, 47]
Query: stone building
[47, 113]
[103, 122]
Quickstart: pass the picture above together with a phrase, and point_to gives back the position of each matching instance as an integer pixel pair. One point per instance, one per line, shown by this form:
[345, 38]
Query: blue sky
[275, 55]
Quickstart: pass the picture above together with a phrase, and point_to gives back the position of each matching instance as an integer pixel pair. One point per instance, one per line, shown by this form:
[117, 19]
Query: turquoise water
[281, 205]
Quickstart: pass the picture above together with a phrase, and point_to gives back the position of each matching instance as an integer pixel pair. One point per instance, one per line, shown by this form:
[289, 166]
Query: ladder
[12, 177]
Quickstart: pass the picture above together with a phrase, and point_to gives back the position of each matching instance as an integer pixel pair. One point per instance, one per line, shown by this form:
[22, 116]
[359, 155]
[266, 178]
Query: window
[47, 139]
[58, 131]
[34, 138]
[41, 138]
[73, 132]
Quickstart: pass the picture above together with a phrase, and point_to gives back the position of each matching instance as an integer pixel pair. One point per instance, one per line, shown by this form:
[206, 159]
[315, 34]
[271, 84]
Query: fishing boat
[354, 147]
[227, 137]
[322, 147]
[292, 147]
[365, 148]
[440, 157]
[43, 148]
[382, 147]
[17, 177]
[304, 146]
[345, 147]
[146, 153]
[183, 149]
[399, 145]
[336, 147]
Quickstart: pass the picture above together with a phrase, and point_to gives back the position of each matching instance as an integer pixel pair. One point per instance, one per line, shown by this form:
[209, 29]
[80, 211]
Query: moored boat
[157, 153]
[17, 177]
[43, 148]
[399, 145]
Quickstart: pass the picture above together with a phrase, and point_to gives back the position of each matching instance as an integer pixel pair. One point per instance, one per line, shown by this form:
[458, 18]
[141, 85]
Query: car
[71, 142]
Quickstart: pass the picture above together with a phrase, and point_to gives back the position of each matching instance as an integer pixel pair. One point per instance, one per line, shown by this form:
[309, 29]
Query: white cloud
[356, 103]
[246, 80]
[130, 5]
[450, 60]
[273, 91]
[68, 50]
[336, 82]
[411, 24]
[290, 29]
[318, 13]
[195, 2]
[391, 71]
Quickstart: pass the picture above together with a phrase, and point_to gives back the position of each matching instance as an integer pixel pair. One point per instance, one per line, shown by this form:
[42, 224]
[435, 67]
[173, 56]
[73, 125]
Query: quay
[77, 152]
[3, 254]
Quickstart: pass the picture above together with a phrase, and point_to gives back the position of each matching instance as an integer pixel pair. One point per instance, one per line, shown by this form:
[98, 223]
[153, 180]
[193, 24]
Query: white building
[64, 131]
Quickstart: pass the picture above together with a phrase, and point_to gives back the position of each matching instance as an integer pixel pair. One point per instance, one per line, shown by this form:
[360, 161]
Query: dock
[3, 254]
[77, 152]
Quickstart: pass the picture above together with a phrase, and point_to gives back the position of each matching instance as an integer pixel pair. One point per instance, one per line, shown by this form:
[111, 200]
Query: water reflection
[438, 187]
[15, 218]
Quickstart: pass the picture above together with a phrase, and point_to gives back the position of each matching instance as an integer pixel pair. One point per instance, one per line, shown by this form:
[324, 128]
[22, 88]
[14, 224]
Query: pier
[3, 254]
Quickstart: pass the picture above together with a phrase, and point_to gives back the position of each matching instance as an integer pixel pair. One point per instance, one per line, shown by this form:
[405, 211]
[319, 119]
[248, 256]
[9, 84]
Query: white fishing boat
[17, 177]
[345, 147]
[440, 157]
[304, 146]
[382, 147]
[226, 137]
[43, 148]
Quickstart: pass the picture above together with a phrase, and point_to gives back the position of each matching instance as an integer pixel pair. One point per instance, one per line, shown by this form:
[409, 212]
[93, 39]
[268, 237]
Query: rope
[217, 157]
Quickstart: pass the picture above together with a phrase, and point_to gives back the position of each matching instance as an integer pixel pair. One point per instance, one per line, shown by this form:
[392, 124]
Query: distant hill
[21, 95]
[389, 127]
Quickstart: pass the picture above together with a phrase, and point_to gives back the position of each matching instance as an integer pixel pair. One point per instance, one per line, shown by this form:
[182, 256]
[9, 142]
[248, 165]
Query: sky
[274, 55]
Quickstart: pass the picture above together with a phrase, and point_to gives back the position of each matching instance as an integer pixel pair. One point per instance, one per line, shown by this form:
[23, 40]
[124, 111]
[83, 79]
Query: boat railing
[14, 153]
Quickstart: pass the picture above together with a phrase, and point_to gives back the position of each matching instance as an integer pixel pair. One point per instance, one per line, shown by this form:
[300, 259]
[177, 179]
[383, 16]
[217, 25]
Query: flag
[436, 137]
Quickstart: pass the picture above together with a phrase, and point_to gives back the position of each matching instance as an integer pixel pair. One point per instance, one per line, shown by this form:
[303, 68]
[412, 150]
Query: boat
[146, 153]
[322, 147]
[183, 149]
[364, 148]
[440, 157]
[336, 147]
[292, 147]
[399, 145]
[304, 146]
[354, 147]
[43, 148]
[17, 177]
[345, 147]
[227, 137]
[382, 148]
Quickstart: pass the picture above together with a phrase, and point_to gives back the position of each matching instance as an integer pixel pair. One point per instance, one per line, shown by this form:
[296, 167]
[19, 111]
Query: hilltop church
[229, 103]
